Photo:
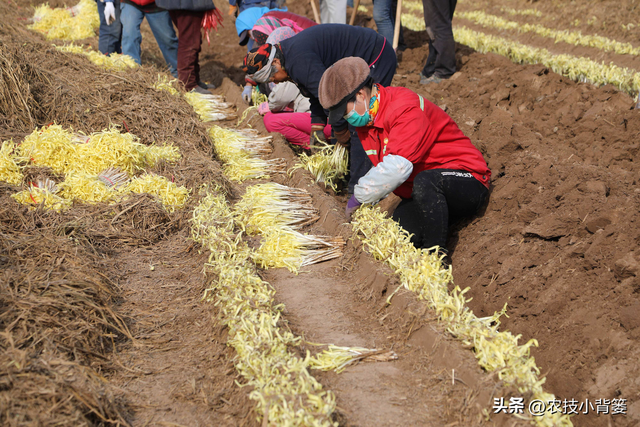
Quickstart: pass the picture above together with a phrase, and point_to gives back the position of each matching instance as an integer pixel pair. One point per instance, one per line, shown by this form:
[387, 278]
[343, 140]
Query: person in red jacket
[418, 153]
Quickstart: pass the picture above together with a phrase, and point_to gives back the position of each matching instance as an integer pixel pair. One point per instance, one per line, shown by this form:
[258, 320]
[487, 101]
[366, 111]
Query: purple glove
[352, 205]
[263, 108]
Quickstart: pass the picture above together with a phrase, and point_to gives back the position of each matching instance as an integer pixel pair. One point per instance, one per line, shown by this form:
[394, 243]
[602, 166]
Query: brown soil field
[101, 312]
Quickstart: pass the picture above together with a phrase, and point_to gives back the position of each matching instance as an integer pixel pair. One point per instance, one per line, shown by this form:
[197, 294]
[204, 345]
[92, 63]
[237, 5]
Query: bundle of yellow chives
[41, 196]
[172, 196]
[265, 205]
[328, 165]
[285, 247]
[88, 188]
[53, 146]
[113, 62]
[78, 22]
[210, 107]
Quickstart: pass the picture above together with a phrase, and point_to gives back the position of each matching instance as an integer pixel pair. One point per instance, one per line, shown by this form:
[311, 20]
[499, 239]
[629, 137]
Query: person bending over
[418, 152]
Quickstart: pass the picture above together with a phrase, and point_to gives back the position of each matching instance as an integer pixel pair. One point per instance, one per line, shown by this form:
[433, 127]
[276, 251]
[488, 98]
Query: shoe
[204, 85]
[200, 90]
[424, 80]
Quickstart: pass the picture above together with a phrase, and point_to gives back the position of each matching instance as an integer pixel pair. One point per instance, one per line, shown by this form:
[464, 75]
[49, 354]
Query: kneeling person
[417, 150]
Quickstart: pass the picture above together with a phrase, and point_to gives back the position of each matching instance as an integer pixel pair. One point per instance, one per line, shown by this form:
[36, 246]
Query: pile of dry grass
[58, 327]
[58, 310]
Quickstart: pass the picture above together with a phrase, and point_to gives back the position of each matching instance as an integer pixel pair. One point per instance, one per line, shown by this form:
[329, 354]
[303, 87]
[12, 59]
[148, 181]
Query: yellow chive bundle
[421, 272]
[54, 147]
[328, 165]
[98, 166]
[113, 62]
[285, 247]
[87, 187]
[42, 196]
[240, 152]
[285, 392]
[76, 23]
[210, 107]
[171, 195]
[9, 170]
[267, 205]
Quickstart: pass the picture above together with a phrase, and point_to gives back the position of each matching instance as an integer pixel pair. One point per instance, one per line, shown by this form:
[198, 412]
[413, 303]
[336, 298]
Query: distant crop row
[576, 68]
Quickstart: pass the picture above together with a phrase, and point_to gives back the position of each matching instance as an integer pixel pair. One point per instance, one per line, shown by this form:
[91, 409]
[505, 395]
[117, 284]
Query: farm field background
[558, 240]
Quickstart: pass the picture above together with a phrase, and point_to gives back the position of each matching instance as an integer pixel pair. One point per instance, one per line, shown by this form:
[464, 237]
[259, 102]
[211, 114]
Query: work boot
[204, 85]
[424, 80]
[200, 90]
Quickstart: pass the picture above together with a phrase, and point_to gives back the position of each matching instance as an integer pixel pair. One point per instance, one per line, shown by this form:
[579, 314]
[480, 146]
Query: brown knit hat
[339, 84]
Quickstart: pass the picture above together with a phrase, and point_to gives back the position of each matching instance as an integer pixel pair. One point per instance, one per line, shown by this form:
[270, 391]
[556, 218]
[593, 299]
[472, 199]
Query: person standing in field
[441, 62]
[333, 11]
[132, 13]
[187, 16]
[423, 163]
[110, 38]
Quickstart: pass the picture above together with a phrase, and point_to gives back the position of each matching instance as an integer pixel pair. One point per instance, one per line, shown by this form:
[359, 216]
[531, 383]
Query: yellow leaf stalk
[338, 358]
[42, 196]
[267, 205]
[284, 391]
[9, 170]
[328, 165]
[172, 196]
[113, 62]
[571, 37]
[210, 107]
[166, 84]
[421, 272]
[78, 22]
[285, 247]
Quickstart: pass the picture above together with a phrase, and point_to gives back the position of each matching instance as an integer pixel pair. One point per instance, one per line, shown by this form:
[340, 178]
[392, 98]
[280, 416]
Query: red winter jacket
[410, 126]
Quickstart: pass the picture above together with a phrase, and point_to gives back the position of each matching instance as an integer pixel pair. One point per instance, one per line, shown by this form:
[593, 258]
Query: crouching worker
[288, 112]
[417, 150]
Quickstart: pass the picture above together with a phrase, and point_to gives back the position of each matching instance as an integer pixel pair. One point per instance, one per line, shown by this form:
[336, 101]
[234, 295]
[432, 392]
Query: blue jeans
[384, 13]
[162, 28]
[110, 35]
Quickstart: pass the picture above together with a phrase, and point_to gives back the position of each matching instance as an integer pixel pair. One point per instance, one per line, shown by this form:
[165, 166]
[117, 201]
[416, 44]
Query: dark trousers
[442, 48]
[188, 24]
[110, 37]
[439, 197]
[382, 72]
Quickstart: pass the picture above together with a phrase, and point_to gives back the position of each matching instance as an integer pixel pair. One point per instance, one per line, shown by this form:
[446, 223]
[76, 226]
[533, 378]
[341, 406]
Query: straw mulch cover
[57, 324]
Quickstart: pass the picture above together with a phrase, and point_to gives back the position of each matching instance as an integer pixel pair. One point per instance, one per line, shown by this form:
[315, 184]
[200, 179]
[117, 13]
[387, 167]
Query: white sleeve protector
[383, 179]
